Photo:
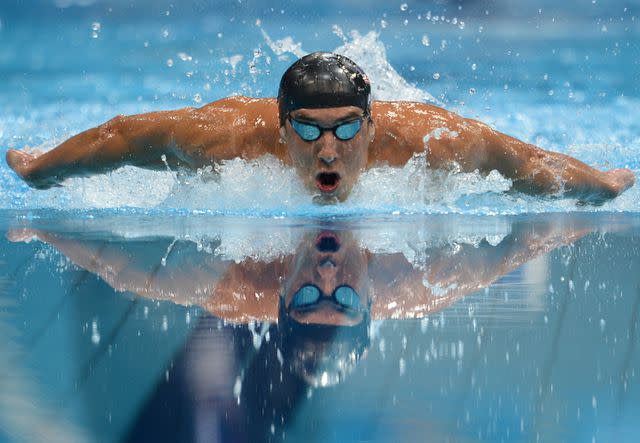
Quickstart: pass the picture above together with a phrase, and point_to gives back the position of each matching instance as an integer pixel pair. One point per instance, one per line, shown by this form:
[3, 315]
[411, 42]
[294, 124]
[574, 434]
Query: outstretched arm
[536, 171]
[190, 137]
[405, 129]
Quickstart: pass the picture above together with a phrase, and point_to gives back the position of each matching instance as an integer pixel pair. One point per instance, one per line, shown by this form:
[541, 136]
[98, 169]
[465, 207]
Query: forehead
[327, 115]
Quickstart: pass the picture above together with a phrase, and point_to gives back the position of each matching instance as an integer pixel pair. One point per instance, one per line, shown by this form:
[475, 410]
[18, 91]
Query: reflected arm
[457, 270]
[178, 271]
[160, 269]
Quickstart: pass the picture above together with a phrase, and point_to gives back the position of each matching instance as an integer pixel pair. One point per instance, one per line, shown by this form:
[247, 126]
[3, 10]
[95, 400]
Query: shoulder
[238, 102]
[416, 112]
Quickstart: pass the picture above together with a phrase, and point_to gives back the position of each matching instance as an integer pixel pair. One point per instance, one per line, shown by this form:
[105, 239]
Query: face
[329, 166]
[328, 260]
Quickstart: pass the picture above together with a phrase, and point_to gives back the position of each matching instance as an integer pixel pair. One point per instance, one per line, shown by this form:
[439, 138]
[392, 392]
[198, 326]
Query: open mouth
[327, 242]
[327, 181]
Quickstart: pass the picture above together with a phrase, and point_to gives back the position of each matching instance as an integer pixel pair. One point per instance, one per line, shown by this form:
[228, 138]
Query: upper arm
[221, 130]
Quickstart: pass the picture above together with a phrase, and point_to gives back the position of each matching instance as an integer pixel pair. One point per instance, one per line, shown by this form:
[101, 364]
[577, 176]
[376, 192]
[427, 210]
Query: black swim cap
[323, 80]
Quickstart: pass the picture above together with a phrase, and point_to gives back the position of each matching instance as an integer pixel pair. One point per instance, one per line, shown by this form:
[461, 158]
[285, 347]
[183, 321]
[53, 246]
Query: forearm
[537, 171]
[120, 141]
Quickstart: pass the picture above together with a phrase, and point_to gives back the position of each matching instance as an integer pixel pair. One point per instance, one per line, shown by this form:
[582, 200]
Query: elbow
[112, 128]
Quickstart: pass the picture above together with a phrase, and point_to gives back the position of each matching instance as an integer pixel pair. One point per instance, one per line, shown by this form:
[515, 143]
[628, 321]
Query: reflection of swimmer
[323, 295]
[327, 130]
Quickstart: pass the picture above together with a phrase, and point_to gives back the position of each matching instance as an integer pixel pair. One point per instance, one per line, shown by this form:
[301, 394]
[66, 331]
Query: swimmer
[324, 125]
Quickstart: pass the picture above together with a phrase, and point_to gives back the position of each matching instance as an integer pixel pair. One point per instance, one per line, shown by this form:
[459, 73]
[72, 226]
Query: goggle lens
[309, 295]
[305, 131]
[306, 295]
[347, 131]
[347, 296]
[309, 132]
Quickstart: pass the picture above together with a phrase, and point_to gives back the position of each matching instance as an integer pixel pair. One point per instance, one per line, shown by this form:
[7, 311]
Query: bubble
[472, 91]
[197, 98]
[383, 24]
[474, 67]
[170, 62]
[425, 40]
[436, 75]
[165, 33]
[184, 57]
[95, 29]
[404, 7]
[95, 334]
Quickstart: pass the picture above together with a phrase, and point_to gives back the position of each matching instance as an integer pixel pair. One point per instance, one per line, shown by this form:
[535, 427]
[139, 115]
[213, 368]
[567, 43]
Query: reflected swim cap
[323, 80]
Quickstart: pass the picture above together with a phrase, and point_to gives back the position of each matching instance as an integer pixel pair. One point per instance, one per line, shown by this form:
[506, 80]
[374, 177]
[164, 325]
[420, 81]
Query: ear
[372, 130]
[283, 133]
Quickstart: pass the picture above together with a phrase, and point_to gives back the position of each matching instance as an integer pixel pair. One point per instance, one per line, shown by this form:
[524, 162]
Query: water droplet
[425, 40]
[95, 334]
[95, 29]
[404, 7]
[184, 57]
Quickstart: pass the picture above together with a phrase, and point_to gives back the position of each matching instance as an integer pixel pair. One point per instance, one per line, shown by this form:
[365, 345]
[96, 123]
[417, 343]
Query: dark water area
[430, 328]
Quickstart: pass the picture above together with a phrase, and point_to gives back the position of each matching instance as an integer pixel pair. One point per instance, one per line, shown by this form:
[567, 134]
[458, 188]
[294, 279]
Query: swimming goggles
[309, 295]
[310, 132]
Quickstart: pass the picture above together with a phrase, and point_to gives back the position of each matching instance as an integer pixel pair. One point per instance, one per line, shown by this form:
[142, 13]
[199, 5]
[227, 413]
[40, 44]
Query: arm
[536, 171]
[165, 269]
[190, 137]
[406, 129]
[448, 277]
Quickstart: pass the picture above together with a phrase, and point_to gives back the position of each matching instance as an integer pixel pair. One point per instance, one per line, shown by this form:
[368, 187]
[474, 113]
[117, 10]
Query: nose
[328, 152]
[327, 271]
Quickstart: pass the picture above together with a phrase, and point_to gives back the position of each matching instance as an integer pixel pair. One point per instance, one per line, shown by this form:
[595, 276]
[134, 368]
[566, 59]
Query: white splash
[283, 46]
[371, 55]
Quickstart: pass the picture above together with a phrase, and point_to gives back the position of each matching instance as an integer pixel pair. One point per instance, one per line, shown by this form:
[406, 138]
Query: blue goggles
[309, 295]
[310, 132]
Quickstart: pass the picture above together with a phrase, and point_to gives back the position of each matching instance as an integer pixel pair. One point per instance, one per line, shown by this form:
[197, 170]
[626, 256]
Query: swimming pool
[135, 306]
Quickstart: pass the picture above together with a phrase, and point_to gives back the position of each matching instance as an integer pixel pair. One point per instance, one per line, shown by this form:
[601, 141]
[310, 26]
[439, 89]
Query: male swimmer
[324, 124]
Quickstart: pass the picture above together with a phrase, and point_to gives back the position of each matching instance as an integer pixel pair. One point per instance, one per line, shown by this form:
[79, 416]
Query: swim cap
[323, 80]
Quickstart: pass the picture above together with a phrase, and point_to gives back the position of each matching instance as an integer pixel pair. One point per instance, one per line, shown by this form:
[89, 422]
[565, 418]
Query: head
[324, 331]
[326, 95]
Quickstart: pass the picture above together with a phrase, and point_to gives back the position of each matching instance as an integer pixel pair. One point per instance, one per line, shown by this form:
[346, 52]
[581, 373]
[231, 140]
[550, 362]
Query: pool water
[136, 328]
[157, 306]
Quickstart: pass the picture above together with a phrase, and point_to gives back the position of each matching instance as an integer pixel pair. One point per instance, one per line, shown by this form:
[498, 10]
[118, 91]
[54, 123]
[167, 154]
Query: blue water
[126, 299]
[564, 78]
[141, 328]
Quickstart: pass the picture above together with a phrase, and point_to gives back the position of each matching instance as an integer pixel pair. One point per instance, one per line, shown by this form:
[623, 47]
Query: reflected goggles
[310, 132]
[309, 295]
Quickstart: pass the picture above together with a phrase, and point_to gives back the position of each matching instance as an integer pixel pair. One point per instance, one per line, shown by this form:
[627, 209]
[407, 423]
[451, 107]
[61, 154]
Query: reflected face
[330, 263]
[329, 166]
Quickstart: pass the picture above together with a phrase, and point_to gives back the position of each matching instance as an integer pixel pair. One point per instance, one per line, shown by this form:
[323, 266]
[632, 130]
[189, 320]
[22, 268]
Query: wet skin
[249, 128]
